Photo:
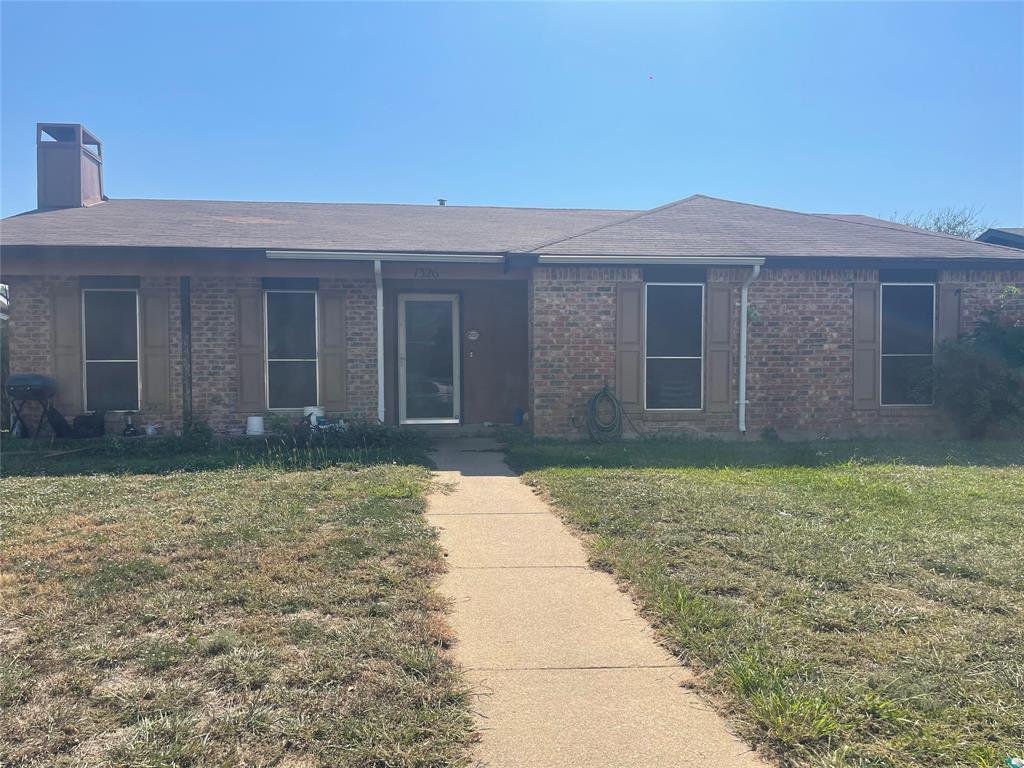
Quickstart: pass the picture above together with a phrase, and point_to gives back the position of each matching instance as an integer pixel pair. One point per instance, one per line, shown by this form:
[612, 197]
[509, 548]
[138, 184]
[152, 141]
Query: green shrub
[1002, 340]
[361, 433]
[979, 380]
[198, 437]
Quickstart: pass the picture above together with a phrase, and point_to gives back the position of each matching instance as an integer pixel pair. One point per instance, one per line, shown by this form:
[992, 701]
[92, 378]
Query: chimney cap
[442, 201]
[68, 133]
[69, 166]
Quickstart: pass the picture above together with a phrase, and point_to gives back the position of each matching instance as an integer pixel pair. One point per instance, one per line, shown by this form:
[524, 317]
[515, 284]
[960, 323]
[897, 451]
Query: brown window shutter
[629, 347]
[251, 394]
[66, 319]
[718, 354]
[331, 353]
[948, 322]
[865, 346]
[156, 351]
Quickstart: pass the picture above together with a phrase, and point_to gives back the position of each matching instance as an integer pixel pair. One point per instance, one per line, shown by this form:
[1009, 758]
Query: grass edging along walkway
[257, 609]
[853, 604]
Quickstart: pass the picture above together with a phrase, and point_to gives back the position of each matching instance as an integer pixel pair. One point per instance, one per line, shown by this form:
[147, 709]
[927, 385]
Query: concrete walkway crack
[511, 567]
[566, 673]
[599, 666]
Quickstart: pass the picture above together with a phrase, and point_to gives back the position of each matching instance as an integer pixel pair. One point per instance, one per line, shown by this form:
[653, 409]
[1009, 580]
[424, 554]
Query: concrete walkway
[567, 673]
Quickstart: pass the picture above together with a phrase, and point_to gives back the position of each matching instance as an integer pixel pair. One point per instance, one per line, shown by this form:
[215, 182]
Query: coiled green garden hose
[604, 428]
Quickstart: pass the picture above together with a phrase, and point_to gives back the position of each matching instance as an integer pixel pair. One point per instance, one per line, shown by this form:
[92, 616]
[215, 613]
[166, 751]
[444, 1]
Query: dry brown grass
[236, 616]
[864, 613]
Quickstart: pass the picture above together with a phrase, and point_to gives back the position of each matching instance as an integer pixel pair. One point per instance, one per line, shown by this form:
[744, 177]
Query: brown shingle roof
[697, 226]
[702, 226]
[300, 226]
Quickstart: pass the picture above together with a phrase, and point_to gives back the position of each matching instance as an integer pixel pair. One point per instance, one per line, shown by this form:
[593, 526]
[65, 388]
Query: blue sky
[841, 107]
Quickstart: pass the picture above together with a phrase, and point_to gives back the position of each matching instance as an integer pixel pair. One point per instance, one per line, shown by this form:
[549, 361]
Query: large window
[674, 346]
[908, 343]
[110, 318]
[291, 349]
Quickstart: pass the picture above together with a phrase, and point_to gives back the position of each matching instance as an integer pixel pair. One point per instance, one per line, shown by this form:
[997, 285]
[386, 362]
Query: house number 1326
[427, 273]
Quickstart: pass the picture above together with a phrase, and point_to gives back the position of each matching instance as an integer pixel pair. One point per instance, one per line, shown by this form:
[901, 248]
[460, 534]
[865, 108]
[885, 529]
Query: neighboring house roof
[300, 226]
[696, 227]
[1012, 237]
[707, 226]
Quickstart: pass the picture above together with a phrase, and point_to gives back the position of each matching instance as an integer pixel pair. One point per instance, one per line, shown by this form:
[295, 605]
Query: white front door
[428, 358]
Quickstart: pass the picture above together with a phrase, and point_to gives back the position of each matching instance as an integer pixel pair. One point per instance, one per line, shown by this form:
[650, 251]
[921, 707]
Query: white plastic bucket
[313, 410]
[254, 425]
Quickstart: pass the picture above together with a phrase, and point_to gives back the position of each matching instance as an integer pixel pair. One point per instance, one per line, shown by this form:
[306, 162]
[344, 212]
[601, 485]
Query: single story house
[703, 315]
[1013, 237]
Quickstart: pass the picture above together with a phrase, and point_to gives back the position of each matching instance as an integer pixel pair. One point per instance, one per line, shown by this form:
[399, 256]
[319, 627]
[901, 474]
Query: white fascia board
[469, 258]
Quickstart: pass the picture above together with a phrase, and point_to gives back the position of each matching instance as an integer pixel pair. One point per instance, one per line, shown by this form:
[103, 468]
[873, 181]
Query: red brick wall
[214, 340]
[572, 310]
[984, 291]
[171, 420]
[800, 351]
[215, 351]
[29, 326]
[799, 360]
[361, 344]
[30, 342]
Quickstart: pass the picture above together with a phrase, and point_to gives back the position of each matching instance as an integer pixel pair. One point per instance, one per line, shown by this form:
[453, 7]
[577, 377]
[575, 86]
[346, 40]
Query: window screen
[291, 349]
[908, 343]
[111, 350]
[674, 346]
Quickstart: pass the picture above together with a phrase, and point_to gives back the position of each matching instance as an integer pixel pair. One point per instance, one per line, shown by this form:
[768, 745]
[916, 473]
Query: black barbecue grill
[22, 388]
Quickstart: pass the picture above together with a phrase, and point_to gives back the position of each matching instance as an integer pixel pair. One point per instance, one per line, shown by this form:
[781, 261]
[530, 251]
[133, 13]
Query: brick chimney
[69, 166]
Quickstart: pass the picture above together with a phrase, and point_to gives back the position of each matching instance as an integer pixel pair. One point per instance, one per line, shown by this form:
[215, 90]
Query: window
[110, 318]
[291, 349]
[674, 344]
[908, 343]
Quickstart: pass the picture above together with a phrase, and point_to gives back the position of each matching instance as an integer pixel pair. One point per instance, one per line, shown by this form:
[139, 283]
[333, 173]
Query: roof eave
[467, 258]
[741, 261]
[744, 260]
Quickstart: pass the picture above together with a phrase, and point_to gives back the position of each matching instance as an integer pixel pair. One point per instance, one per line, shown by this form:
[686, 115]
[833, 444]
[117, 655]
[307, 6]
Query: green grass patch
[236, 607]
[853, 604]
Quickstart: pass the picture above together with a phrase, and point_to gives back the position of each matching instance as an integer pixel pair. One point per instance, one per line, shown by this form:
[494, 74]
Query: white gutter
[754, 272]
[714, 261]
[379, 279]
[472, 258]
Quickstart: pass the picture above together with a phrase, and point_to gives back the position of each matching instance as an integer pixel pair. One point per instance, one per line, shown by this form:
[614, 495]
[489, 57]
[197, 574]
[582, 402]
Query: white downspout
[754, 272]
[379, 279]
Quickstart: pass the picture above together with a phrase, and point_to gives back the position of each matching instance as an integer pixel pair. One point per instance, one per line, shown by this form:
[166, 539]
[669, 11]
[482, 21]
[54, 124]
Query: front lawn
[254, 610]
[851, 604]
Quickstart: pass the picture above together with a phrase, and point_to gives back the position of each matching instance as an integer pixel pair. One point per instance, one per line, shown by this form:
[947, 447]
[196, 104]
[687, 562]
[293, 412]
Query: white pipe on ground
[754, 272]
[379, 279]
